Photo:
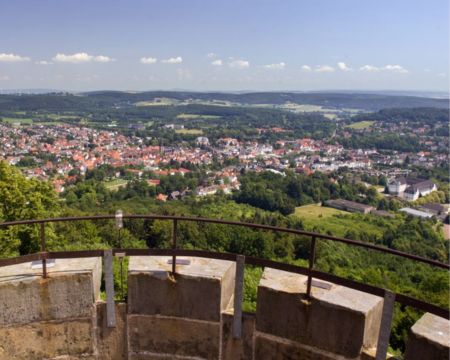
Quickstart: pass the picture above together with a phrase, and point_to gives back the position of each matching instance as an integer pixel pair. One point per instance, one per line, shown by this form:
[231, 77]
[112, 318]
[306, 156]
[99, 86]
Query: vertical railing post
[119, 226]
[109, 288]
[312, 256]
[238, 296]
[174, 245]
[385, 326]
[43, 250]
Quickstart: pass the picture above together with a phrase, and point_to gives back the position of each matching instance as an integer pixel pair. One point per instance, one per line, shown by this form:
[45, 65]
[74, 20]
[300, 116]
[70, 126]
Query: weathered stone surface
[68, 292]
[44, 340]
[269, 347]
[339, 320]
[200, 290]
[429, 338]
[234, 349]
[370, 354]
[150, 356]
[161, 335]
[112, 342]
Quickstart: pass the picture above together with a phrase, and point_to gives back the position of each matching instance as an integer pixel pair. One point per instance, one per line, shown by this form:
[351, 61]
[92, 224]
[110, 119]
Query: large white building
[411, 188]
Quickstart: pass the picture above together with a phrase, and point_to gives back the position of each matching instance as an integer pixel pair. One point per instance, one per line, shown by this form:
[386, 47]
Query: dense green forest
[22, 198]
[275, 192]
[383, 141]
[419, 116]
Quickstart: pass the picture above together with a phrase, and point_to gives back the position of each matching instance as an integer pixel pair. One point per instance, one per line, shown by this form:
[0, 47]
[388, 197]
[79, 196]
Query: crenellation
[189, 315]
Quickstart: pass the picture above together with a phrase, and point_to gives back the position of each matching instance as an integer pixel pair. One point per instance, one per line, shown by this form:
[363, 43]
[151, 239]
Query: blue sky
[225, 45]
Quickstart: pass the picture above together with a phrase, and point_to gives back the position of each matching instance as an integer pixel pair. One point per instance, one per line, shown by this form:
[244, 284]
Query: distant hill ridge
[105, 99]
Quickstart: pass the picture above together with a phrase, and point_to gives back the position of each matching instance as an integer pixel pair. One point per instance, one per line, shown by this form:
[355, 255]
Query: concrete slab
[429, 339]
[200, 290]
[339, 320]
[69, 291]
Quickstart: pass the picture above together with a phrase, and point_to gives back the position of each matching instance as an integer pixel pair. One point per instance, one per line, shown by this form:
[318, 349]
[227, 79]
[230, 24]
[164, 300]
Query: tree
[23, 199]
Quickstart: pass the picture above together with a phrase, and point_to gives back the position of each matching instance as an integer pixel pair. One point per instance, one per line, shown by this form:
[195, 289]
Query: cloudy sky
[225, 45]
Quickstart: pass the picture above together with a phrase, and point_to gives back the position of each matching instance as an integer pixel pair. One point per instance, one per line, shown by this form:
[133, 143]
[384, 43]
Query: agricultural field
[197, 116]
[360, 125]
[11, 120]
[189, 131]
[157, 102]
[60, 116]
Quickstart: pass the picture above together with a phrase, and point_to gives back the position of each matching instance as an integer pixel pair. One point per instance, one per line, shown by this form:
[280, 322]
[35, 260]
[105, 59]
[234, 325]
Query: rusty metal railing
[309, 271]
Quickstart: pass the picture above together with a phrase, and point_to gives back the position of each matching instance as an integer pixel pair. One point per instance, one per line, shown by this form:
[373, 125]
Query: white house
[411, 188]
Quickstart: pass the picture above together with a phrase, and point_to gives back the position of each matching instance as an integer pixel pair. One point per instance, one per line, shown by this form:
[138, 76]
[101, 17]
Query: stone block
[68, 292]
[200, 290]
[235, 349]
[269, 347]
[338, 320]
[46, 340]
[429, 338]
[161, 336]
[112, 341]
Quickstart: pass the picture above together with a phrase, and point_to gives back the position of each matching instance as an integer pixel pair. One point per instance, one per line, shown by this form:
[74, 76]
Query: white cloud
[103, 59]
[306, 68]
[324, 69]
[148, 60]
[211, 55]
[369, 68]
[217, 62]
[442, 75]
[343, 66]
[396, 68]
[390, 68]
[427, 70]
[43, 62]
[13, 58]
[277, 66]
[239, 64]
[173, 60]
[80, 58]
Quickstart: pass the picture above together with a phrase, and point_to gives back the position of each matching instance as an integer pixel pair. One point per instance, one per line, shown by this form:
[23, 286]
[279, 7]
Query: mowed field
[115, 184]
[337, 222]
[189, 131]
[197, 116]
[314, 211]
[361, 125]
[10, 120]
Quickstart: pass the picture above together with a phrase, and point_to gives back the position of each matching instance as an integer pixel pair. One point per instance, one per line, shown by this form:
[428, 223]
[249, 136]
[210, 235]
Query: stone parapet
[337, 320]
[237, 349]
[200, 290]
[429, 338]
[112, 341]
[173, 336]
[177, 315]
[52, 317]
[190, 315]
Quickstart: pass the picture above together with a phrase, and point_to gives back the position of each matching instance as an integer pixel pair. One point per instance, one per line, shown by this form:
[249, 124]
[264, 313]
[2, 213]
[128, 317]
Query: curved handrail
[308, 271]
[238, 223]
